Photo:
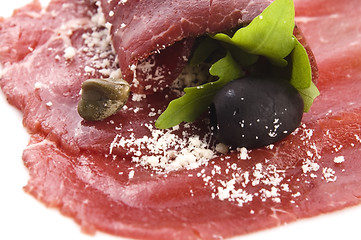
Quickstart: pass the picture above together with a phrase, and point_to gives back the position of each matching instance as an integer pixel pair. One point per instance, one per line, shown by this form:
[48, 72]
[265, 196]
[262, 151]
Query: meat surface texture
[124, 177]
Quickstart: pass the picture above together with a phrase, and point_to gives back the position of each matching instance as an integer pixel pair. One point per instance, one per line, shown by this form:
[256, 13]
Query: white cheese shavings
[138, 97]
[229, 192]
[339, 159]
[243, 153]
[88, 69]
[69, 53]
[309, 166]
[329, 174]
[165, 151]
[358, 138]
[98, 47]
[190, 77]
[131, 174]
[38, 85]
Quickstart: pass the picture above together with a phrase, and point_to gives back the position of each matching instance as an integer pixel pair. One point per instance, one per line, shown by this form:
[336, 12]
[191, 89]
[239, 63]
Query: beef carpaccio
[115, 176]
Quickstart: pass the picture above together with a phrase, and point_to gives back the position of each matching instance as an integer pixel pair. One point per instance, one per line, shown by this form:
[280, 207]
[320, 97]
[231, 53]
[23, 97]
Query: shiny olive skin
[255, 112]
[102, 98]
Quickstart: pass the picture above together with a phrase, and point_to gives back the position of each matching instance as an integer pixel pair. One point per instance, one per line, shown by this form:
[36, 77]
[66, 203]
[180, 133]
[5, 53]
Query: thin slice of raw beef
[124, 177]
[153, 40]
[140, 28]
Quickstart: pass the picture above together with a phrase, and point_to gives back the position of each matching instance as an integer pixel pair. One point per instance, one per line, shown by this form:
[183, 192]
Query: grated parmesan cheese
[309, 166]
[339, 159]
[38, 85]
[165, 150]
[69, 53]
[131, 174]
[329, 174]
[98, 46]
[138, 97]
[243, 153]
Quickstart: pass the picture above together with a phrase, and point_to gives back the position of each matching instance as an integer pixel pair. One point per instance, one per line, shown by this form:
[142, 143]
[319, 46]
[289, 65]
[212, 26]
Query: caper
[102, 98]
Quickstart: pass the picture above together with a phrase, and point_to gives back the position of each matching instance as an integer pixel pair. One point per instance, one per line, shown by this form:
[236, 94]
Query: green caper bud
[102, 98]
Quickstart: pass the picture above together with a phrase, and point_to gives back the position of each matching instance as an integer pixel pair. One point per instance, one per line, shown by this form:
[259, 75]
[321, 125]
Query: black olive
[255, 112]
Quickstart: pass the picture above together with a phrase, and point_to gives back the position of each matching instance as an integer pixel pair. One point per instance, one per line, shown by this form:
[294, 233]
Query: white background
[21, 216]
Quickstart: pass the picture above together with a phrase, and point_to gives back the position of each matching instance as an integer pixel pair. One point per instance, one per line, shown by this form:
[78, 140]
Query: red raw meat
[93, 171]
[141, 28]
[154, 39]
[159, 71]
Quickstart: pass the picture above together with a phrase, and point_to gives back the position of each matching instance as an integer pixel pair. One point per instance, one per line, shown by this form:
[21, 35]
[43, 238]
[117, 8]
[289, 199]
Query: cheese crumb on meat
[339, 159]
[165, 151]
[69, 53]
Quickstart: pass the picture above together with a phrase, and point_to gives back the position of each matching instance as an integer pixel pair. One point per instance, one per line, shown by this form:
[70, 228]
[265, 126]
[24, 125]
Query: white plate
[21, 216]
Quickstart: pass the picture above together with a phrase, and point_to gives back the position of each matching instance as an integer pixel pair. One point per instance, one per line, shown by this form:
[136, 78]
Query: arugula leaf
[270, 34]
[308, 95]
[197, 99]
[301, 75]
